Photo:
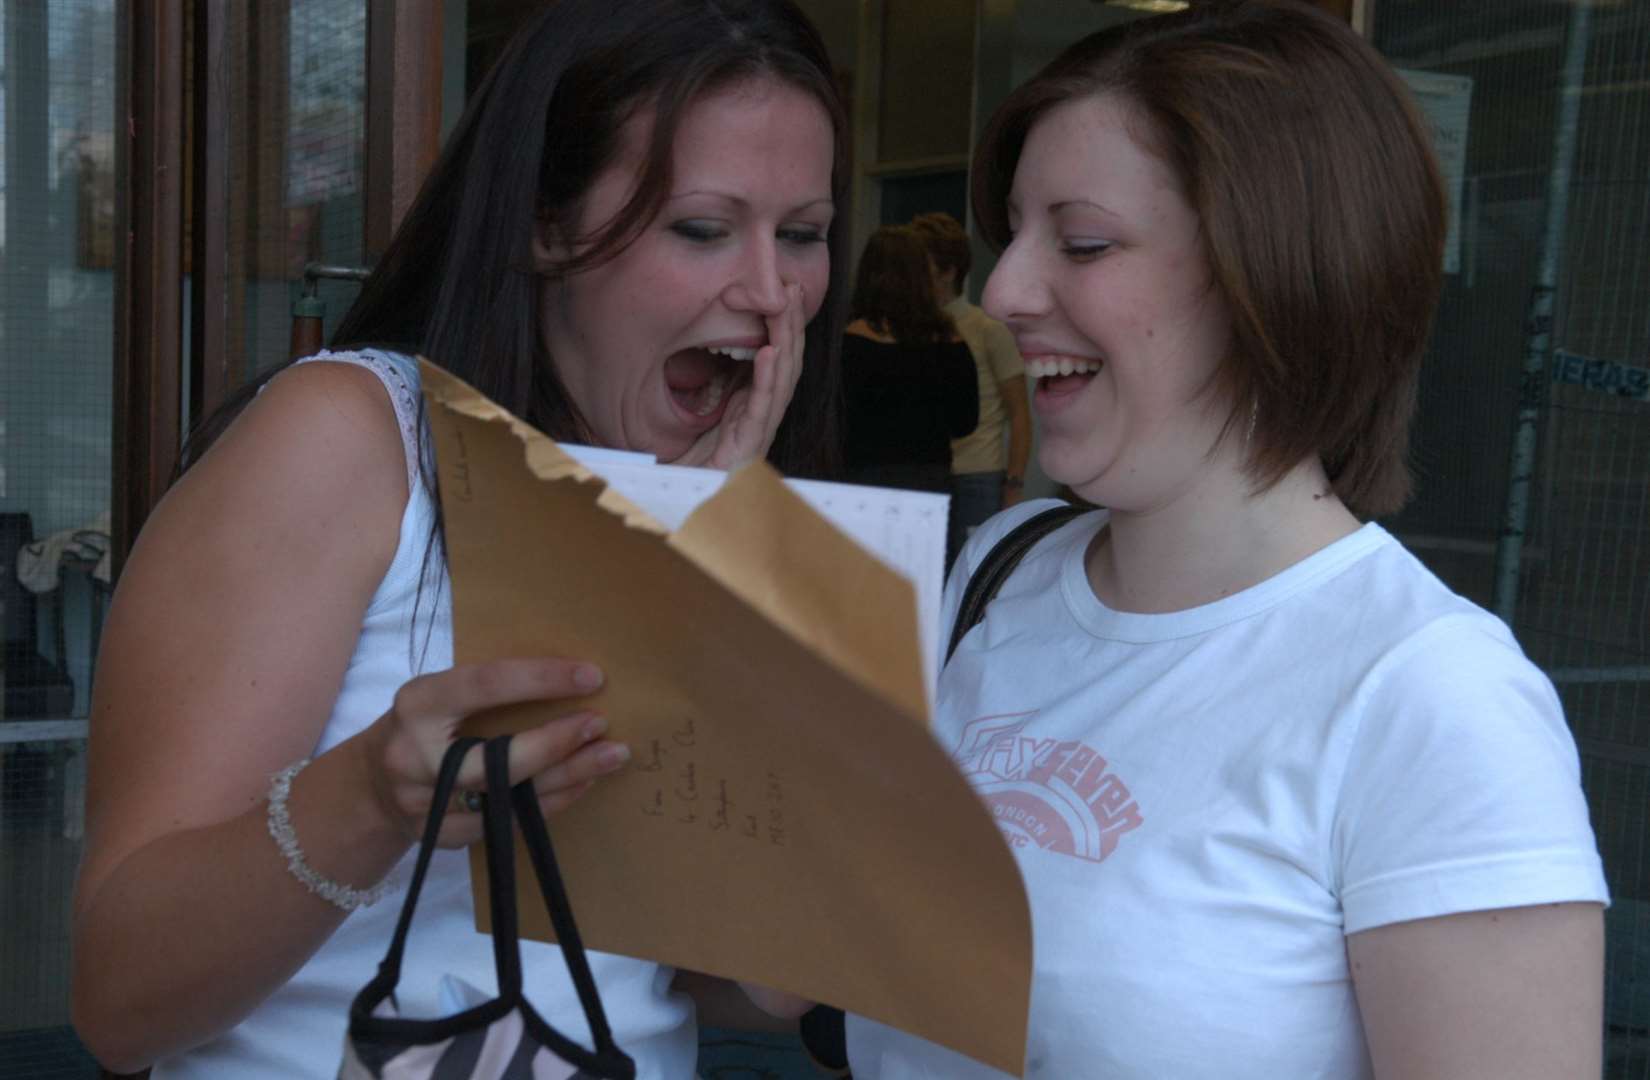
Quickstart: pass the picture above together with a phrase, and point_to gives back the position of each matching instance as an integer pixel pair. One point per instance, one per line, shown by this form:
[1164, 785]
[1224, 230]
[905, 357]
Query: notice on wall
[1447, 102]
[1604, 376]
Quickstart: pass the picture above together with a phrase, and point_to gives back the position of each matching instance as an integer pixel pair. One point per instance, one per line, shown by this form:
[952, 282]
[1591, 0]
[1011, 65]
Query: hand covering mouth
[700, 380]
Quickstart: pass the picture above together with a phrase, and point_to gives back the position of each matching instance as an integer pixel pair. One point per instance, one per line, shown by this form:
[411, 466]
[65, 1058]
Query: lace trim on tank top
[402, 396]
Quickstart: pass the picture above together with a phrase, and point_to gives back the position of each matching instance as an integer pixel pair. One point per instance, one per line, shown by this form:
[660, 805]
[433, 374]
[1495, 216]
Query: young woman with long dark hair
[628, 241]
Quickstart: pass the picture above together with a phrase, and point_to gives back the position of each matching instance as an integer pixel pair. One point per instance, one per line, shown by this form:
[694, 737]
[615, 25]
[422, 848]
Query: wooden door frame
[148, 330]
[404, 92]
[155, 141]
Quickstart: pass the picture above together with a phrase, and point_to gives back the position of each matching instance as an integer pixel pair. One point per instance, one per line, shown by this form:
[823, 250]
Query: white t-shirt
[1204, 803]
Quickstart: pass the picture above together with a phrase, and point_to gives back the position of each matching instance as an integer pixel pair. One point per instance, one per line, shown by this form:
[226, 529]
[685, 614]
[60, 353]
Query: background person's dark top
[904, 404]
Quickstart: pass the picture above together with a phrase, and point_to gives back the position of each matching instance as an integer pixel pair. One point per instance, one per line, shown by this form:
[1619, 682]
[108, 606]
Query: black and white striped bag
[502, 1038]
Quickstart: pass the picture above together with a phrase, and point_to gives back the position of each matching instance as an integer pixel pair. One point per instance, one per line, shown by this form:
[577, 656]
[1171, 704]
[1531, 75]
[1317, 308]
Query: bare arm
[1509, 994]
[225, 647]
[1008, 369]
[1013, 392]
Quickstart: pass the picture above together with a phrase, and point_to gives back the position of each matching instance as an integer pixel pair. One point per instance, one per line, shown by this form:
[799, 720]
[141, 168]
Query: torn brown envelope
[788, 819]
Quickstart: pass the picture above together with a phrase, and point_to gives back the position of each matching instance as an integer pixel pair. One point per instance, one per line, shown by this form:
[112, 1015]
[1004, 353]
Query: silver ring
[471, 800]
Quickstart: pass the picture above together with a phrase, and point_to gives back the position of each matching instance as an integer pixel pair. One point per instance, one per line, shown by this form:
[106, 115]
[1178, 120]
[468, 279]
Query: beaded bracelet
[286, 838]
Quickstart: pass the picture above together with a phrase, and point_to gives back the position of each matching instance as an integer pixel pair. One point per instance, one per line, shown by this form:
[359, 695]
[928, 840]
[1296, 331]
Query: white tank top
[299, 1030]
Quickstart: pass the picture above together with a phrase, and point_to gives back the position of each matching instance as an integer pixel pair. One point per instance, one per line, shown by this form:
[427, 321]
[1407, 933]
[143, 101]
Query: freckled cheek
[674, 276]
[1135, 323]
[669, 296]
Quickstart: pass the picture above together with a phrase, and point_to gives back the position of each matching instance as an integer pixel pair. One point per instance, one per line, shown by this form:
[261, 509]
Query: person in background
[1284, 805]
[988, 465]
[908, 378]
[628, 241]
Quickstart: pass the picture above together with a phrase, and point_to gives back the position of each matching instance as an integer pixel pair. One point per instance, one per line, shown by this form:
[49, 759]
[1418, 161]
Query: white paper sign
[1447, 102]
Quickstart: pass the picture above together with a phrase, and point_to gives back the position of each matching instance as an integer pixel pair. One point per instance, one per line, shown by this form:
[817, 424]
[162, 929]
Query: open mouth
[700, 381]
[1062, 374]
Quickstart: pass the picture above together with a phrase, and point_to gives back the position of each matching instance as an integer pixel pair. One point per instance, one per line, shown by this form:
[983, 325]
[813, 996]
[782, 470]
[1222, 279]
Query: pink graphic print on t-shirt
[1057, 795]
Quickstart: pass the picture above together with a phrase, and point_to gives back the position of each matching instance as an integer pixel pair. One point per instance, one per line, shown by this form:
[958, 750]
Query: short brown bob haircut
[1322, 215]
[947, 243]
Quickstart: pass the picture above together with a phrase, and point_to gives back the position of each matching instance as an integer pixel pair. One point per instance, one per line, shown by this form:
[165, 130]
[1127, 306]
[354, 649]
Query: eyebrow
[737, 201]
[1013, 206]
[1082, 204]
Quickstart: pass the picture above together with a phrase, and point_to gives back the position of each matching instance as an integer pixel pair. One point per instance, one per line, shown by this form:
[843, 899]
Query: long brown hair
[458, 283]
[1322, 211]
[894, 289]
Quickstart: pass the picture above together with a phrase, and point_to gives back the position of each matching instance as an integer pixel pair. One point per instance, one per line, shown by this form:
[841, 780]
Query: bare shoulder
[321, 439]
[345, 404]
[308, 482]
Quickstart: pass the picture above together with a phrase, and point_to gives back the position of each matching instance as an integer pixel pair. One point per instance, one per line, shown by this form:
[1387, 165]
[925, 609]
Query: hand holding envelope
[788, 819]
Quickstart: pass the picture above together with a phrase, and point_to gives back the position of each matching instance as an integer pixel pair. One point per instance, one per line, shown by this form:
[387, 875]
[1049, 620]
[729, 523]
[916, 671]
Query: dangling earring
[1254, 414]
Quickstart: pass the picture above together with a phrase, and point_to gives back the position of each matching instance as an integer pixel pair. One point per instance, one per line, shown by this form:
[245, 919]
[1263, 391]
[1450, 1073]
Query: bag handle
[498, 829]
[543, 857]
[389, 969]
[498, 808]
[503, 805]
[1000, 562]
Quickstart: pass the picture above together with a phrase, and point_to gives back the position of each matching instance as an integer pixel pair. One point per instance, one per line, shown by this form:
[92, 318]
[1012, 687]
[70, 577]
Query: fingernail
[613, 756]
[587, 676]
[593, 727]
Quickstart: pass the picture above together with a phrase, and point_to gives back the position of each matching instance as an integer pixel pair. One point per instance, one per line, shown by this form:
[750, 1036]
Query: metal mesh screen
[56, 332]
[39, 850]
[294, 77]
[1545, 330]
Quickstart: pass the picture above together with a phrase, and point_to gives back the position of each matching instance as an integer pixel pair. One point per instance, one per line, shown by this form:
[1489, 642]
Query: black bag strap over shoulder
[823, 1027]
[543, 857]
[1000, 562]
